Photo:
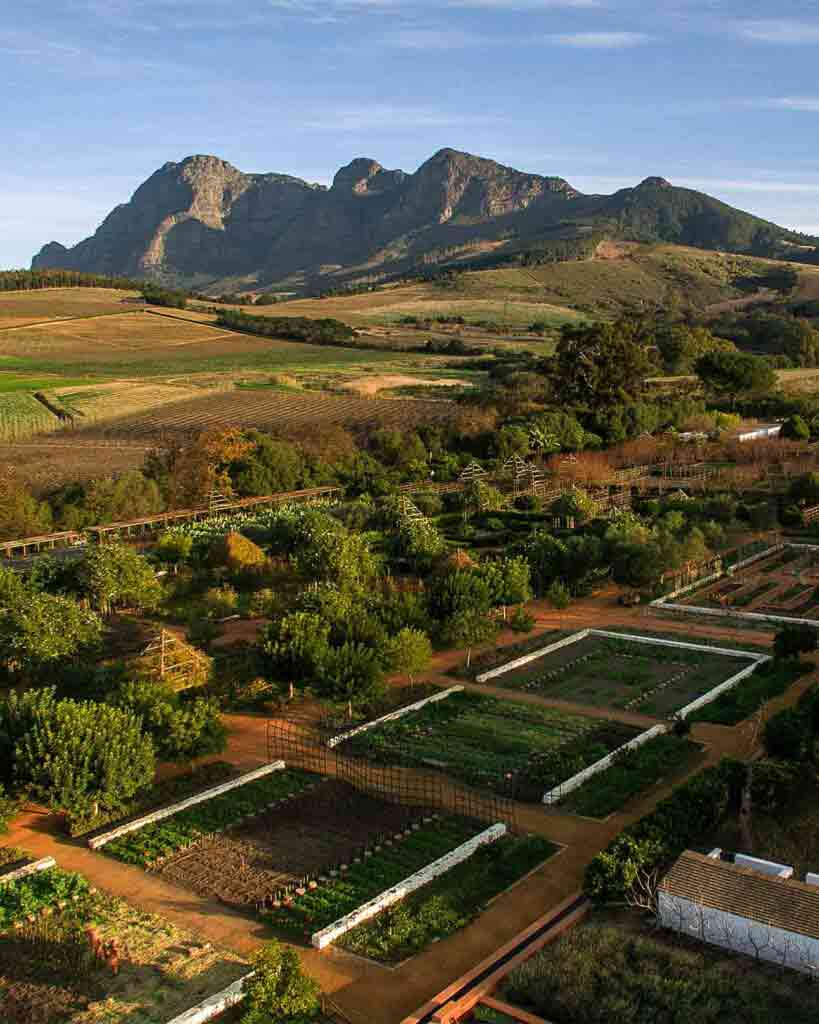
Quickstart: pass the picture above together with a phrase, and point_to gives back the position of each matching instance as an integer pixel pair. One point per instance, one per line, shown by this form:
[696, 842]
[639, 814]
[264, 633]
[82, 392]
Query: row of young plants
[366, 877]
[632, 773]
[24, 898]
[152, 844]
[507, 747]
[771, 679]
[449, 902]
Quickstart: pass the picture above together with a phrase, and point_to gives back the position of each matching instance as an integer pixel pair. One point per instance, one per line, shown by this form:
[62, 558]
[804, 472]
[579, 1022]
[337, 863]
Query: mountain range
[202, 223]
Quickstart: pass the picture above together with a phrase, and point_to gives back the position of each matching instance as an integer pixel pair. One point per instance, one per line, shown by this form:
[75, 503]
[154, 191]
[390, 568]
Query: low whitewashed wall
[191, 801]
[576, 781]
[526, 659]
[214, 1005]
[393, 715]
[326, 936]
[722, 613]
[28, 869]
[729, 684]
[684, 644]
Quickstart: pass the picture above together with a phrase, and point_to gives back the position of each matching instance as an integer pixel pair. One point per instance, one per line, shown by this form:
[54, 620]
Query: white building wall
[738, 934]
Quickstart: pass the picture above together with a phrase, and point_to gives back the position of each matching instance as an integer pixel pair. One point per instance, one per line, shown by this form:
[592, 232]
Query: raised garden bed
[623, 674]
[449, 903]
[770, 680]
[375, 870]
[514, 749]
[153, 843]
[484, 661]
[632, 774]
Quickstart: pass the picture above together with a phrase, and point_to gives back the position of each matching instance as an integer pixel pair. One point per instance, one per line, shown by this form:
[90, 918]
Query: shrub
[115, 576]
[558, 595]
[8, 808]
[279, 991]
[181, 730]
[655, 840]
[792, 641]
[236, 553]
[77, 757]
[521, 621]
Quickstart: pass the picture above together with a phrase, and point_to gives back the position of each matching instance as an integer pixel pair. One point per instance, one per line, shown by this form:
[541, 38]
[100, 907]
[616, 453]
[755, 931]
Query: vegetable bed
[368, 877]
[150, 845]
[770, 680]
[513, 749]
[631, 773]
[28, 896]
[449, 903]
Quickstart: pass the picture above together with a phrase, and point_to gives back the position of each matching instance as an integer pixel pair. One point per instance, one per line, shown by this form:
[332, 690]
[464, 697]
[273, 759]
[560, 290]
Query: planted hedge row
[654, 841]
[368, 877]
[155, 842]
[631, 773]
[449, 903]
[28, 896]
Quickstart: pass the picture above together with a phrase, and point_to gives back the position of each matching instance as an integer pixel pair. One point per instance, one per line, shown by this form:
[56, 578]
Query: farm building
[744, 905]
[760, 432]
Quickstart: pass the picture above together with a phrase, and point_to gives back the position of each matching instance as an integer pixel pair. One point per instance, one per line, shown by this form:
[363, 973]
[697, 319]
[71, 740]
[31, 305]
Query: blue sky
[720, 95]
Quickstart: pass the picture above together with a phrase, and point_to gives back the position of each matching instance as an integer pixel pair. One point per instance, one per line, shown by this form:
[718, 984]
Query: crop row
[21, 416]
[367, 877]
[27, 897]
[155, 842]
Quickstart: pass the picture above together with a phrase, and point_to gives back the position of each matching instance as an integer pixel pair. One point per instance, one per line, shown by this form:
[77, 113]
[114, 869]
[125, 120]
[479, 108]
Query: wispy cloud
[781, 30]
[387, 117]
[410, 38]
[600, 40]
[807, 104]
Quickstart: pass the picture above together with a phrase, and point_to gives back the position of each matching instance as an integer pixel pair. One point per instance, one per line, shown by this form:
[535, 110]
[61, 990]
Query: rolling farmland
[21, 415]
[25, 307]
[271, 411]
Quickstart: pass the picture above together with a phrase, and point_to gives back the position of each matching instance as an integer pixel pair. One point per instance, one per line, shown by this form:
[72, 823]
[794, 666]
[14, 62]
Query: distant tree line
[295, 328]
[156, 295]
[33, 280]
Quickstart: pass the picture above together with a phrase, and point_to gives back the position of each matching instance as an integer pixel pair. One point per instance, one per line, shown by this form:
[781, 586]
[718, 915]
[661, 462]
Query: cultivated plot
[514, 749]
[25, 307]
[623, 674]
[785, 584]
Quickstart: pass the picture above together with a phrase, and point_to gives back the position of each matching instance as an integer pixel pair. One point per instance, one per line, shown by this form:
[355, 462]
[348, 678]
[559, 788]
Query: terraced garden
[514, 749]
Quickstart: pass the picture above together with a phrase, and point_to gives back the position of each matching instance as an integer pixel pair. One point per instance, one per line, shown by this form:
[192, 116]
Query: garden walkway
[371, 994]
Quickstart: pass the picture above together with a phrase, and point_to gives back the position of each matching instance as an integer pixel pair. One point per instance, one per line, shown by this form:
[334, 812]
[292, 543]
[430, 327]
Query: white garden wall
[393, 715]
[328, 935]
[526, 659]
[28, 869]
[191, 801]
[576, 781]
[214, 1005]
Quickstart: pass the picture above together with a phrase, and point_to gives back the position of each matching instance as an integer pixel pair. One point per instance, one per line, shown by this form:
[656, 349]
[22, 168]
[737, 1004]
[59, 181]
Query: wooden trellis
[170, 660]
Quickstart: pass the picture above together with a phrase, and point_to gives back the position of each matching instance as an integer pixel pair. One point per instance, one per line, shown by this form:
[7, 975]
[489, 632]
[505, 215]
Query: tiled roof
[780, 903]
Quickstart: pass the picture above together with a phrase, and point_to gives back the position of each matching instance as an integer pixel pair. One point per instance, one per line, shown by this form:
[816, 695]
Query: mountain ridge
[201, 221]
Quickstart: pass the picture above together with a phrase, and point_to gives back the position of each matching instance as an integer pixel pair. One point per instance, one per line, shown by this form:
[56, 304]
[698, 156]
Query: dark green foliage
[732, 374]
[115, 576]
[597, 973]
[631, 773]
[769, 680]
[790, 734]
[599, 365]
[39, 632]
[294, 328]
[8, 808]
[449, 903]
[694, 810]
[792, 641]
[34, 280]
[156, 295]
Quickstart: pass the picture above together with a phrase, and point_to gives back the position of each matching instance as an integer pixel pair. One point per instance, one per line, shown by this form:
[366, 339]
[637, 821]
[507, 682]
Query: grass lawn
[623, 674]
[515, 749]
[617, 967]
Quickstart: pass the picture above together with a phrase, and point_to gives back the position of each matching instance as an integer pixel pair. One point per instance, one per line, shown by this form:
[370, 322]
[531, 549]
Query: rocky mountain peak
[655, 182]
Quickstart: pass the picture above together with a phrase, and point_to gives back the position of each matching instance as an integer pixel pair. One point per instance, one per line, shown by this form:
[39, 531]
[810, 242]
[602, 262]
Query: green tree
[279, 992]
[409, 651]
[39, 631]
[351, 673]
[509, 580]
[297, 646]
[180, 729]
[796, 429]
[115, 576]
[640, 566]
[598, 365]
[733, 374]
[468, 629]
[79, 758]
[173, 548]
